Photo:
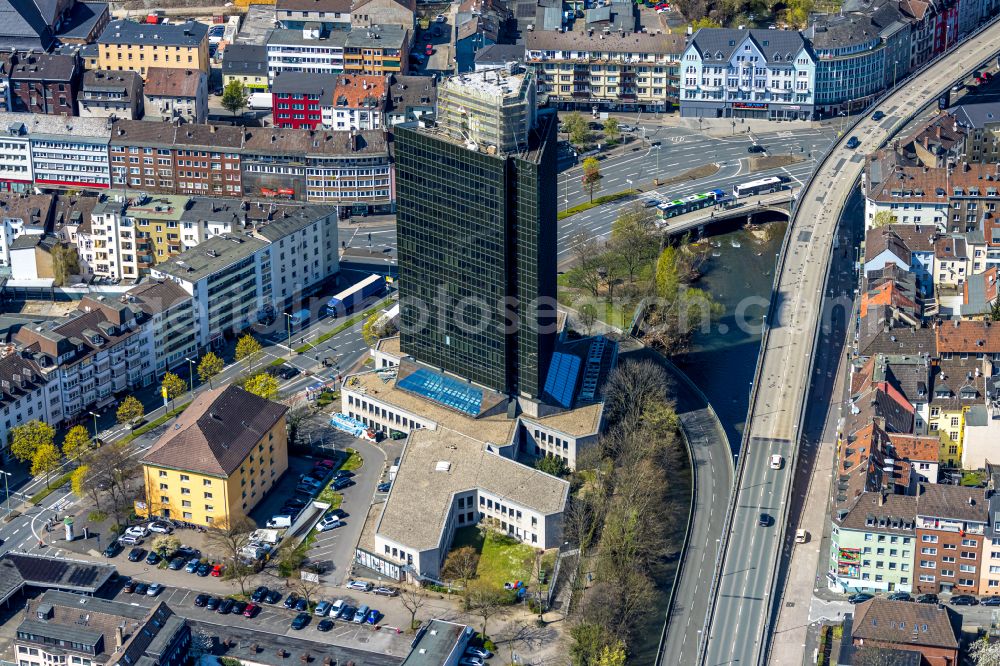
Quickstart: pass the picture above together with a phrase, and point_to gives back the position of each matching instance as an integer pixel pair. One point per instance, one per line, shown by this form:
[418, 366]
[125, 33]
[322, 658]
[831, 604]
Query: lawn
[502, 559]
[353, 462]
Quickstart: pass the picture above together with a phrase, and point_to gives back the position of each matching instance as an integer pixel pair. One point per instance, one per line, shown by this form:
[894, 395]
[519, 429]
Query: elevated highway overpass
[742, 599]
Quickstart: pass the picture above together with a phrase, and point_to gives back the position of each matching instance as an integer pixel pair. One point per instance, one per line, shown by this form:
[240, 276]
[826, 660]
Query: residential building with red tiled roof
[929, 629]
[359, 103]
[171, 93]
[219, 460]
[964, 336]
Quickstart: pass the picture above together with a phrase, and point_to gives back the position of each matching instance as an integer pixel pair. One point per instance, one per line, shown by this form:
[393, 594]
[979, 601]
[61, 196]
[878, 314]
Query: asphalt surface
[742, 608]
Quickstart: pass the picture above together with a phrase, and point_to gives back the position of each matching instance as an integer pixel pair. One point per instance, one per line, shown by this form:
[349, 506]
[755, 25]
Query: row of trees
[622, 515]
[580, 135]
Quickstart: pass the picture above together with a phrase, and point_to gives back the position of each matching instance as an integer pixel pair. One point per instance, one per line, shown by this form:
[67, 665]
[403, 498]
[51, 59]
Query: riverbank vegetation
[623, 513]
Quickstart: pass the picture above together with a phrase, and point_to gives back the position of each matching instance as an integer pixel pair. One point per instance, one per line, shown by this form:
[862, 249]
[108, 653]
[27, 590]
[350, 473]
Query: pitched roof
[916, 447]
[905, 623]
[297, 83]
[172, 82]
[968, 336]
[240, 59]
[23, 26]
[44, 67]
[779, 47]
[879, 240]
[935, 500]
[216, 432]
[155, 296]
[916, 237]
[881, 512]
[631, 42]
[355, 92]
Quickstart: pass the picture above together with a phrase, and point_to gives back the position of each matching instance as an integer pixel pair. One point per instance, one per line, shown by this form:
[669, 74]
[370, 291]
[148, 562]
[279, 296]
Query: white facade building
[305, 50]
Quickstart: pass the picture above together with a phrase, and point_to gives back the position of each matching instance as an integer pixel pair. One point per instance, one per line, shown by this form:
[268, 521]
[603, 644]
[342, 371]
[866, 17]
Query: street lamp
[190, 374]
[288, 320]
[94, 414]
[6, 492]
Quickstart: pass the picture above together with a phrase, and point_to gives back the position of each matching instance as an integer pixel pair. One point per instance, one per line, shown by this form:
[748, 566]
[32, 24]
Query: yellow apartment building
[128, 45]
[224, 453]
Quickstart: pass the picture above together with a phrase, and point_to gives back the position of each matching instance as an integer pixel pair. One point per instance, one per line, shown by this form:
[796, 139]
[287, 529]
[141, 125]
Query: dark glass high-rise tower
[476, 226]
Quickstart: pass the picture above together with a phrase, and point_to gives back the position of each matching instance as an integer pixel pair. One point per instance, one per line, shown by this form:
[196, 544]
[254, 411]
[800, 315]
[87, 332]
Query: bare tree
[228, 539]
[461, 564]
[305, 587]
[114, 470]
[485, 600]
[873, 655]
[413, 600]
[628, 390]
[580, 523]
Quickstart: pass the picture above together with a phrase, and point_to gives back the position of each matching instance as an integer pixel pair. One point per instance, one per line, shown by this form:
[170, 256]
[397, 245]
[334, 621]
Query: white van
[801, 536]
[129, 540]
[337, 606]
[280, 521]
[259, 101]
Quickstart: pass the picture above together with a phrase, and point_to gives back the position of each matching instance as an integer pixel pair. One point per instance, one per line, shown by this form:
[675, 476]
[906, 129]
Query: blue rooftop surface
[443, 390]
[561, 380]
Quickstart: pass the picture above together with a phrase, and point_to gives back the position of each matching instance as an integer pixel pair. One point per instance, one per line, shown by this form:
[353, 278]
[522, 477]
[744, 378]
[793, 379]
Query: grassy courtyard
[502, 559]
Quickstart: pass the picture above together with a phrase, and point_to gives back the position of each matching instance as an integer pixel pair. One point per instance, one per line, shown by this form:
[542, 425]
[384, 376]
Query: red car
[217, 570]
[329, 464]
[251, 610]
[429, 49]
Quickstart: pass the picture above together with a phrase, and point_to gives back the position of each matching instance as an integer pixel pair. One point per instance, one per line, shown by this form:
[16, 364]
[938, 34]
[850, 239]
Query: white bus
[759, 186]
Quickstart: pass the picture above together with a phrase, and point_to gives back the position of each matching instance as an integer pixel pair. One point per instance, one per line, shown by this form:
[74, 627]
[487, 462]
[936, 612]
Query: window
[185, 477]
[206, 482]
[186, 504]
[162, 473]
[163, 486]
[187, 515]
[185, 491]
[208, 495]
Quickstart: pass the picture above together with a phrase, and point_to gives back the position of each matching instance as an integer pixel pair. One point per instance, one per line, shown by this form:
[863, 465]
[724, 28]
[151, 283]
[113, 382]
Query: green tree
[705, 22]
[247, 348]
[883, 218]
[234, 96]
[263, 384]
[589, 639]
[172, 386]
[64, 263]
[995, 310]
[553, 465]
[668, 279]
[130, 411]
[632, 236]
[29, 437]
[45, 459]
[578, 129]
[209, 367]
[612, 131]
[591, 176]
[76, 442]
[369, 330]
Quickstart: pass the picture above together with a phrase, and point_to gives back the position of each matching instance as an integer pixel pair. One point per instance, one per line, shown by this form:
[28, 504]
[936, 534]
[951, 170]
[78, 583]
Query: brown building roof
[631, 42]
[156, 296]
[882, 512]
[216, 432]
[968, 336]
[915, 447]
[952, 502]
[917, 237]
[878, 240]
[905, 623]
[355, 92]
[933, 185]
[172, 82]
[32, 209]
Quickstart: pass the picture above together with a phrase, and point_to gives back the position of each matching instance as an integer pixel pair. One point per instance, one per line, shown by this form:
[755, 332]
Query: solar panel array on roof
[561, 380]
[42, 571]
[443, 390]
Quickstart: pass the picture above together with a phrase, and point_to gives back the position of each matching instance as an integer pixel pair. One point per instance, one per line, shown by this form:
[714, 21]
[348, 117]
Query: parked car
[329, 464]
[329, 523]
[478, 652]
[291, 600]
[990, 601]
[160, 527]
[259, 594]
[900, 596]
[963, 600]
[325, 624]
[129, 586]
[279, 521]
[347, 613]
[129, 540]
[152, 558]
[272, 597]
[295, 503]
[853, 142]
[336, 607]
[344, 473]
[302, 604]
[201, 600]
[300, 621]
[360, 614]
[429, 50]
[322, 608]
[213, 603]
[136, 554]
[217, 570]
[386, 591]
[878, 115]
[226, 606]
[187, 552]
[360, 585]
[927, 599]
[113, 549]
[192, 565]
[141, 588]
[239, 607]
[340, 484]
[251, 610]
[470, 660]
[860, 597]
[373, 616]
[154, 589]
[177, 564]
[137, 531]
[385, 487]
[204, 569]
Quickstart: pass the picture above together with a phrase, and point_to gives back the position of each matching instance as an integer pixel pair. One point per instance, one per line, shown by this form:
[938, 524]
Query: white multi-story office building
[729, 73]
[171, 312]
[305, 50]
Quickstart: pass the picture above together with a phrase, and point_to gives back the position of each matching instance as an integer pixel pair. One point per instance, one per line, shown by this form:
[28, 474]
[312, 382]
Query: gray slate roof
[22, 25]
[240, 59]
[188, 34]
[718, 44]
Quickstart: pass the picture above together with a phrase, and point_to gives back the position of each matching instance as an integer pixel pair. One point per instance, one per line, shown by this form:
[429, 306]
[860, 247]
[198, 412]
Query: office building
[477, 233]
[138, 46]
[171, 312]
[64, 152]
[305, 50]
[328, 14]
[225, 452]
[727, 73]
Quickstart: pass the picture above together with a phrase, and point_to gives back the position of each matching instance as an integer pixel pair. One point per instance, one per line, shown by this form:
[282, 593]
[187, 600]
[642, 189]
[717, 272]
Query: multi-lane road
[742, 607]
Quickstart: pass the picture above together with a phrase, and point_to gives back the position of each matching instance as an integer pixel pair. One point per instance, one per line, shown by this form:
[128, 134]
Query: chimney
[119, 636]
[881, 498]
